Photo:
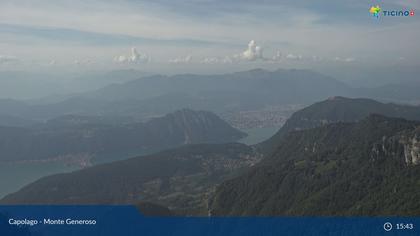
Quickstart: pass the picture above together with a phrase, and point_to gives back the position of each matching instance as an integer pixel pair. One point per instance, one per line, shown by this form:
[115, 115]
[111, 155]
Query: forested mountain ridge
[73, 137]
[338, 109]
[365, 168]
[180, 179]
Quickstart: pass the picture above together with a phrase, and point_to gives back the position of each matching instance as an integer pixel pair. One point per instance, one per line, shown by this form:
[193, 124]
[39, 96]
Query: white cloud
[277, 57]
[181, 60]
[83, 62]
[317, 58]
[5, 59]
[292, 56]
[120, 59]
[347, 59]
[280, 57]
[158, 21]
[134, 58]
[252, 53]
[217, 60]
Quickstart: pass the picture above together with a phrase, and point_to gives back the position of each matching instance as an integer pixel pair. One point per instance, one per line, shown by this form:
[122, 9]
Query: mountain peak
[337, 98]
[198, 125]
[341, 109]
[92, 137]
[187, 111]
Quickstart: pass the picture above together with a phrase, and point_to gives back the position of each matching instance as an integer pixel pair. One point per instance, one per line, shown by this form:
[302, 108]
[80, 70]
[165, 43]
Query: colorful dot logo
[375, 11]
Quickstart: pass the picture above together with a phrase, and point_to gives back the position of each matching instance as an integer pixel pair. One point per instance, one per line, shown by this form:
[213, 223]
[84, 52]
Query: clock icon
[387, 226]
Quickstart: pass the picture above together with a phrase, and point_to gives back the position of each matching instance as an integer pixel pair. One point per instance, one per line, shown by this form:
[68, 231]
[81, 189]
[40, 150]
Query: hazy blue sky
[203, 33]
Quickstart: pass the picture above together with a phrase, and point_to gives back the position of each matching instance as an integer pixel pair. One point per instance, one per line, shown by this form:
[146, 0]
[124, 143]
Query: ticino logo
[376, 12]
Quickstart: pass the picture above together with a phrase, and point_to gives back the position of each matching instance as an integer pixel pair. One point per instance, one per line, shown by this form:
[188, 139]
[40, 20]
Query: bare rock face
[404, 146]
[412, 150]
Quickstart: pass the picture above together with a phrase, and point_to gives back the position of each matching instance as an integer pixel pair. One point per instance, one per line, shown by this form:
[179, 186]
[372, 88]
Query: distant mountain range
[405, 92]
[15, 121]
[53, 86]
[95, 139]
[248, 90]
[280, 85]
[332, 158]
[367, 168]
[158, 94]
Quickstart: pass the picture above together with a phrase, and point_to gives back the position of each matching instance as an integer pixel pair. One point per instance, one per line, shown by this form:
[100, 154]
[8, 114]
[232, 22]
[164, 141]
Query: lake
[14, 176]
[257, 135]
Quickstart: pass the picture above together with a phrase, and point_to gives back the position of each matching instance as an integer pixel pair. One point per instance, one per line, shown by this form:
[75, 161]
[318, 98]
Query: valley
[209, 117]
[255, 143]
[317, 161]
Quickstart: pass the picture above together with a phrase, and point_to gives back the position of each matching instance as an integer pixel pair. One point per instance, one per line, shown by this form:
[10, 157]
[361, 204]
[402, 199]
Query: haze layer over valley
[211, 107]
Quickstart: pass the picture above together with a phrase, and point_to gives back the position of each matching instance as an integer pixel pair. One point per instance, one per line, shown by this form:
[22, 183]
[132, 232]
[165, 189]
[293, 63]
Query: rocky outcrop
[412, 150]
[404, 146]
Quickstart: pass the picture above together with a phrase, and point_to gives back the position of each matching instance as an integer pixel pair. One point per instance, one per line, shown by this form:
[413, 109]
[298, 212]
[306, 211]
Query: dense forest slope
[365, 168]
[180, 179]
